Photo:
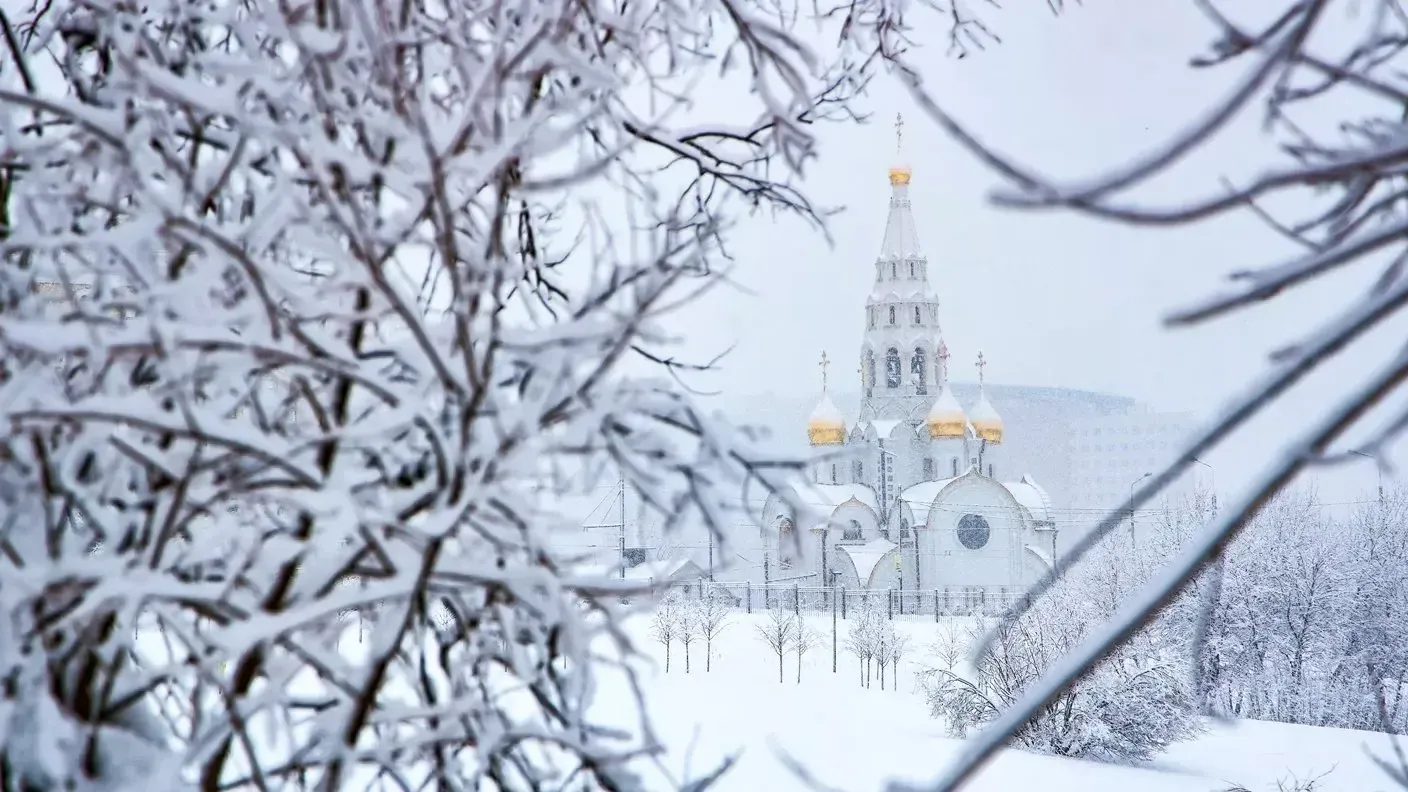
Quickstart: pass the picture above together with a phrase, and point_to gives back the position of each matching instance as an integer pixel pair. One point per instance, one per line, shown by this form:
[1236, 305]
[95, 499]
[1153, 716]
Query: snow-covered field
[855, 739]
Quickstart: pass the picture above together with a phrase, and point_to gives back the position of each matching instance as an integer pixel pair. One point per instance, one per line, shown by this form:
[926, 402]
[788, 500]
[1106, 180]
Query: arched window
[894, 269]
[833, 473]
[917, 319]
[917, 368]
[892, 314]
[869, 371]
[911, 269]
[872, 318]
[786, 543]
[852, 533]
[904, 529]
[858, 472]
[954, 467]
[928, 468]
[892, 367]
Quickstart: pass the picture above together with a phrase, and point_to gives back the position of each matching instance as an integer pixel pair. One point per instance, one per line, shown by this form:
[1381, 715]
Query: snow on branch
[312, 321]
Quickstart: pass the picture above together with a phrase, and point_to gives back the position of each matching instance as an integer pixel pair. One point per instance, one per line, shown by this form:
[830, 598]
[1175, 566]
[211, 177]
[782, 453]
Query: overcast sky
[1051, 299]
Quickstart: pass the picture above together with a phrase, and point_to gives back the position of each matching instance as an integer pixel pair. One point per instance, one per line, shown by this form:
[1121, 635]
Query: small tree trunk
[667, 657]
[779, 666]
[708, 654]
[686, 657]
[882, 676]
[799, 667]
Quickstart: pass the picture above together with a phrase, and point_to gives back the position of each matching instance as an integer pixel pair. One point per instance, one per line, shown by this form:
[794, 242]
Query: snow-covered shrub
[1130, 707]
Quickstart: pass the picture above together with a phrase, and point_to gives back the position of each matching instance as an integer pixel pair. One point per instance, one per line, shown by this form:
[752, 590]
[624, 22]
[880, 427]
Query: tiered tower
[900, 363]
[910, 427]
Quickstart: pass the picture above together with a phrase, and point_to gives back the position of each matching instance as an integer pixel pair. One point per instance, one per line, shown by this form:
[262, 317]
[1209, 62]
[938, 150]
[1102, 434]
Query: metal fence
[947, 601]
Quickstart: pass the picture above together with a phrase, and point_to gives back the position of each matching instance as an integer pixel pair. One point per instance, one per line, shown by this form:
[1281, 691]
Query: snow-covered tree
[778, 631]
[1323, 75]
[340, 297]
[804, 639]
[712, 617]
[863, 639]
[667, 623]
[895, 646]
[689, 627]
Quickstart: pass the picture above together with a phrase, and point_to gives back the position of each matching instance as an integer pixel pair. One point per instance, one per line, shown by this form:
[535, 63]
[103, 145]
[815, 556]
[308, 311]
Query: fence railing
[946, 601]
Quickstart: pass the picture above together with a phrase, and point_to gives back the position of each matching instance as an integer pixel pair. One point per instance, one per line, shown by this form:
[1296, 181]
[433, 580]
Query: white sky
[1051, 299]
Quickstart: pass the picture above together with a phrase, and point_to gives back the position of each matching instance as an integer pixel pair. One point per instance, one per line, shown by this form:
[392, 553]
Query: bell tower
[902, 336]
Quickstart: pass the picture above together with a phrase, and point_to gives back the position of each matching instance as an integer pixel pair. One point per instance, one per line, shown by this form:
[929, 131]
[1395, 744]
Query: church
[914, 494]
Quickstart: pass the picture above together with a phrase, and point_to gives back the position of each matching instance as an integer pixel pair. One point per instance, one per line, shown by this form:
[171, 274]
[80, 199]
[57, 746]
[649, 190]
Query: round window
[973, 531]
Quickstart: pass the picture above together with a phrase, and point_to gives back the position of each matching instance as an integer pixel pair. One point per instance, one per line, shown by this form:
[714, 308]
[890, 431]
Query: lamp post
[1132, 484]
[1212, 472]
[1379, 468]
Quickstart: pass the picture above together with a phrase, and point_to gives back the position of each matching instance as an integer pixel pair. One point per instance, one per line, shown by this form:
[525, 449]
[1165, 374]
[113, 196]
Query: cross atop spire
[899, 133]
[982, 364]
[825, 362]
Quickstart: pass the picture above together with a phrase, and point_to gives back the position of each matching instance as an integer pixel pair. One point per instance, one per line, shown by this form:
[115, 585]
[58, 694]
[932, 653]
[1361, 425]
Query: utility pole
[711, 556]
[622, 498]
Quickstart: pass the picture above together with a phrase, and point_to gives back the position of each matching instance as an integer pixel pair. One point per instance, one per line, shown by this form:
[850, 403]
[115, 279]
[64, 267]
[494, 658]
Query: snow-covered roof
[681, 568]
[1033, 498]
[883, 427]
[1041, 554]
[828, 496]
[983, 410]
[866, 556]
[827, 412]
[901, 237]
[920, 498]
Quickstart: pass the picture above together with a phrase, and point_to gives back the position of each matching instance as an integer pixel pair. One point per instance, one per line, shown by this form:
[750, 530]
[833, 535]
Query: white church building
[913, 493]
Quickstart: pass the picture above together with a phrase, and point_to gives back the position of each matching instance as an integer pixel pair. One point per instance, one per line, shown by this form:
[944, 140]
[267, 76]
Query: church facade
[914, 492]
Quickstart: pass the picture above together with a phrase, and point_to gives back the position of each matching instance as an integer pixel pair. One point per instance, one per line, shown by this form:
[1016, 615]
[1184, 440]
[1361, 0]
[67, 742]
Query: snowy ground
[854, 738]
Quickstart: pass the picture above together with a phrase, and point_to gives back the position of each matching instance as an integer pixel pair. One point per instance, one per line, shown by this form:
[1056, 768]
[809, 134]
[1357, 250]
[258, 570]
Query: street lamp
[1131, 506]
[1212, 472]
[1379, 468]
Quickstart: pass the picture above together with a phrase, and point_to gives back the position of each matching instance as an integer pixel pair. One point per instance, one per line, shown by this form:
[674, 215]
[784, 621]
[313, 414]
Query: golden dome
[986, 422]
[826, 426]
[899, 176]
[946, 420]
[989, 430]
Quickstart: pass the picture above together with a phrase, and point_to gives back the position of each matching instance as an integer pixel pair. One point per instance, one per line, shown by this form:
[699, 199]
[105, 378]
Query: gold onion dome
[946, 419]
[986, 422]
[899, 175]
[826, 426]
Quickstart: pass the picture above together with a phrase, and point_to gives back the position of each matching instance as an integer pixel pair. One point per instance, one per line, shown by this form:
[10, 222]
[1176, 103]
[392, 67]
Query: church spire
[902, 313]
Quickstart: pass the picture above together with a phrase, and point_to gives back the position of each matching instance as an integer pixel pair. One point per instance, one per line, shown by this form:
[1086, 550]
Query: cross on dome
[899, 172]
[825, 362]
[982, 364]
